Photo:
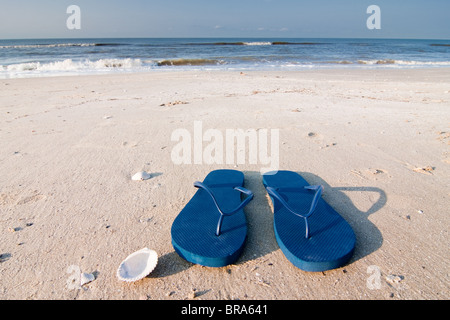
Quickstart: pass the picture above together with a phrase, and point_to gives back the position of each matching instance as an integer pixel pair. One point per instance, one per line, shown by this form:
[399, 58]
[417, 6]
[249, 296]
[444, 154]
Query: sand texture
[377, 140]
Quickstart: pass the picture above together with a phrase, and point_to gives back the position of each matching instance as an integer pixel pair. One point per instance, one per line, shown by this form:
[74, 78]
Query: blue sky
[226, 18]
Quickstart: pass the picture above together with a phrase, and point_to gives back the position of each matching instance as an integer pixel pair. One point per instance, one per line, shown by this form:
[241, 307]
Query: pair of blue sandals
[211, 230]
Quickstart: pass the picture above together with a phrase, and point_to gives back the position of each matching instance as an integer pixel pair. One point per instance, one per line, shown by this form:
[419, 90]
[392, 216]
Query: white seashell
[137, 265]
[86, 278]
[141, 176]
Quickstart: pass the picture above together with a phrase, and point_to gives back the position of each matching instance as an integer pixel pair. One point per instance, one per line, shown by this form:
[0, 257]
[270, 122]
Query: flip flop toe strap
[317, 194]
[223, 213]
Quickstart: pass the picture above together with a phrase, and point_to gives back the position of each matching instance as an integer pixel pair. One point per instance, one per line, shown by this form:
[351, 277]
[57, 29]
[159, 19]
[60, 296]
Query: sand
[377, 140]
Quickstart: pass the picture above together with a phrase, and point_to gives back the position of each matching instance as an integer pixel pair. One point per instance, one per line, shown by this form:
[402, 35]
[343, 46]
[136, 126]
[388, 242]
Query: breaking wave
[69, 65]
[76, 66]
[61, 45]
[255, 43]
[55, 45]
[189, 62]
[404, 62]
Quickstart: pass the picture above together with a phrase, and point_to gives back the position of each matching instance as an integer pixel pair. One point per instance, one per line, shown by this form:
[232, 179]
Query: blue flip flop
[310, 233]
[211, 230]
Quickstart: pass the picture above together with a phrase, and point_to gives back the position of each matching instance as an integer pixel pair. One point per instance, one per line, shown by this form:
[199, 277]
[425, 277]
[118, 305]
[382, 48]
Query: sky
[420, 19]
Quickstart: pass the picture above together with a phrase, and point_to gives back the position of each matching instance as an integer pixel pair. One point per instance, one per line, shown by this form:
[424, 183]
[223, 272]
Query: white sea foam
[55, 45]
[86, 66]
[404, 62]
[258, 43]
[425, 63]
[69, 66]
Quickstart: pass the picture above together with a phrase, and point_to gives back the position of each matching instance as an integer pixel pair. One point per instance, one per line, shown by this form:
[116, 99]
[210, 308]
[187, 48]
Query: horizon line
[228, 37]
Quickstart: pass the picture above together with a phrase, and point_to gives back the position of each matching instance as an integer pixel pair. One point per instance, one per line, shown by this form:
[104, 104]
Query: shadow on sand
[261, 238]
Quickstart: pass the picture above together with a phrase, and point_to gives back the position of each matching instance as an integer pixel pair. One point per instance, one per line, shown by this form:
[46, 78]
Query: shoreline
[378, 140]
[327, 71]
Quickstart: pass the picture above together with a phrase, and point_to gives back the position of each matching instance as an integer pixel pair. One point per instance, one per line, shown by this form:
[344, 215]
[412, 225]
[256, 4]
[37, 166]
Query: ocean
[52, 57]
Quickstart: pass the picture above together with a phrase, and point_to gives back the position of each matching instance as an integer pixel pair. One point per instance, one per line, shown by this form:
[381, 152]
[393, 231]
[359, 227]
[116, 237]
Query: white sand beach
[377, 140]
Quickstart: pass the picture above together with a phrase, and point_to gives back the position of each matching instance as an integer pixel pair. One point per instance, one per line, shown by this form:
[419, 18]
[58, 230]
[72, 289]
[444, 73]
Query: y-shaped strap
[318, 192]
[223, 214]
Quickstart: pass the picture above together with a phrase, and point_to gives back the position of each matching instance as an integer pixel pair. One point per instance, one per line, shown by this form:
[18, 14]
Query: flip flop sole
[193, 230]
[331, 240]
